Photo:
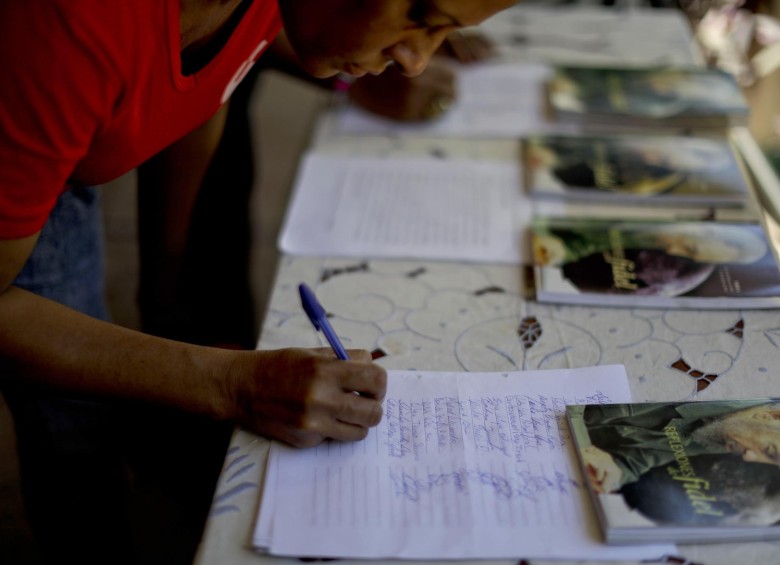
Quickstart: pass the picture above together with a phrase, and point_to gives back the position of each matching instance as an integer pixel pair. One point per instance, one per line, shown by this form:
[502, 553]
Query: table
[474, 317]
[450, 316]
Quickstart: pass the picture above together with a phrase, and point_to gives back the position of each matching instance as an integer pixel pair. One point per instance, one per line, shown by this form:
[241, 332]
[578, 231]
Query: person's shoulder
[53, 23]
[90, 41]
[67, 16]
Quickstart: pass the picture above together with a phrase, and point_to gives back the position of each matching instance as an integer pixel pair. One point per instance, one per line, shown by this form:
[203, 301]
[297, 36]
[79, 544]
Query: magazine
[663, 97]
[706, 471]
[654, 264]
[624, 169]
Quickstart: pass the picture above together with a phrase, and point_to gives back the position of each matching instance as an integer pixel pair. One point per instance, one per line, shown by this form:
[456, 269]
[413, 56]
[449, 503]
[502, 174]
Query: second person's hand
[407, 99]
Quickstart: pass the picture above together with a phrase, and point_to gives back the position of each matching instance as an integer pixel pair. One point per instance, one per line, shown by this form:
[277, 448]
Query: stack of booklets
[608, 257]
[681, 99]
[706, 471]
[625, 169]
[644, 263]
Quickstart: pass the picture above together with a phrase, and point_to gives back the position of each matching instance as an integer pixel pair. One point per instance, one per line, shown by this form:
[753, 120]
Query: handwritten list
[424, 208]
[463, 465]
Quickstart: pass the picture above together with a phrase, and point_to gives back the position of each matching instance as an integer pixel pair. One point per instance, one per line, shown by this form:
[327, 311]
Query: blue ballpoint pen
[319, 320]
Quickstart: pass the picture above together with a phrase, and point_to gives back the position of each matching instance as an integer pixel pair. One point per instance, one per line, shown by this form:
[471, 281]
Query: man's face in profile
[753, 434]
[364, 36]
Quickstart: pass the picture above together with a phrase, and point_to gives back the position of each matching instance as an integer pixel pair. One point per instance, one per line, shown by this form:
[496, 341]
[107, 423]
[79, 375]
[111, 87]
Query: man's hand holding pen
[310, 395]
[304, 396]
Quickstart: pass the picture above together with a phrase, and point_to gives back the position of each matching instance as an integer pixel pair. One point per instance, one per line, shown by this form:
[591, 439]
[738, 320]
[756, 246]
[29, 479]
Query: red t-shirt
[90, 89]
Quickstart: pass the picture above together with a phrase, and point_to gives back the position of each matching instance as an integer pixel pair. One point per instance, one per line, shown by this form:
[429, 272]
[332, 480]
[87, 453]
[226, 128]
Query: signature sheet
[463, 465]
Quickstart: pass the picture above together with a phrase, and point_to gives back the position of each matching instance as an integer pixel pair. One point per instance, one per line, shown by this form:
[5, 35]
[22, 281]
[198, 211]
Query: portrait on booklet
[692, 97]
[654, 263]
[620, 169]
[682, 471]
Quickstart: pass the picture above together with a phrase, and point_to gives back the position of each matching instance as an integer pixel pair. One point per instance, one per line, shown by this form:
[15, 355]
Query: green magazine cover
[692, 97]
[697, 471]
[621, 169]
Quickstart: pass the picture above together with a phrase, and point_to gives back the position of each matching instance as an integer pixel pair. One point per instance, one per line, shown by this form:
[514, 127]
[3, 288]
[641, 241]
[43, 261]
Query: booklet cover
[654, 264]
[706, 471]
[666, 97]
[621, 169]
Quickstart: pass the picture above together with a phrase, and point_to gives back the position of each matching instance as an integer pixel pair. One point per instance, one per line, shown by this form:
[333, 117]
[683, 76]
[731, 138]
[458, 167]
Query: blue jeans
[76, 454]
[67, 263]
[66, 266]
[64, 448]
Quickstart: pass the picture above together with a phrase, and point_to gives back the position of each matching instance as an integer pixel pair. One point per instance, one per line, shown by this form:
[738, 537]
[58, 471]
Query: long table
[450, 316]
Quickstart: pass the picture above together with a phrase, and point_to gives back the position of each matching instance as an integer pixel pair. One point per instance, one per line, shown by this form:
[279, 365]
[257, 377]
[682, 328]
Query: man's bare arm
[300, 396]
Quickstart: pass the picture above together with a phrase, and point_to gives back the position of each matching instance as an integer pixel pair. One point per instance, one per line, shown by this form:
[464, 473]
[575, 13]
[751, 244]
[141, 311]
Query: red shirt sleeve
[57, 87]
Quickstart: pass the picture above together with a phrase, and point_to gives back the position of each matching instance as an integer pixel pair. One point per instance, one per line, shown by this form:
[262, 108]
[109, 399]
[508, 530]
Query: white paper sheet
[406, 208]
[463, 465]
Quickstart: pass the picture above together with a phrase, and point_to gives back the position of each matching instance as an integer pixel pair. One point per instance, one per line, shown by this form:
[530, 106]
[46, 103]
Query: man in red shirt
[211, 302]
[92, 89]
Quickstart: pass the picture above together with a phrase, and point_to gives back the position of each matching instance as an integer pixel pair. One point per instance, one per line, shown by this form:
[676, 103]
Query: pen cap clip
[313, 310]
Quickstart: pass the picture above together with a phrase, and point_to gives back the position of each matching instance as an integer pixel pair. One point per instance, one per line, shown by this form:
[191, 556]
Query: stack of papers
[406, 208]
[463, 465]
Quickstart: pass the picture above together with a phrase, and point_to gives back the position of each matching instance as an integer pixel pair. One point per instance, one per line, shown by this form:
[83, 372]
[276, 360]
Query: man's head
[753, 433]
[364, 36]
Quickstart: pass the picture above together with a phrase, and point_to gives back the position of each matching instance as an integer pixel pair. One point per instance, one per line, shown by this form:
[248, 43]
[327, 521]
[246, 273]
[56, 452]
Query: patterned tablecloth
[461, 317]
